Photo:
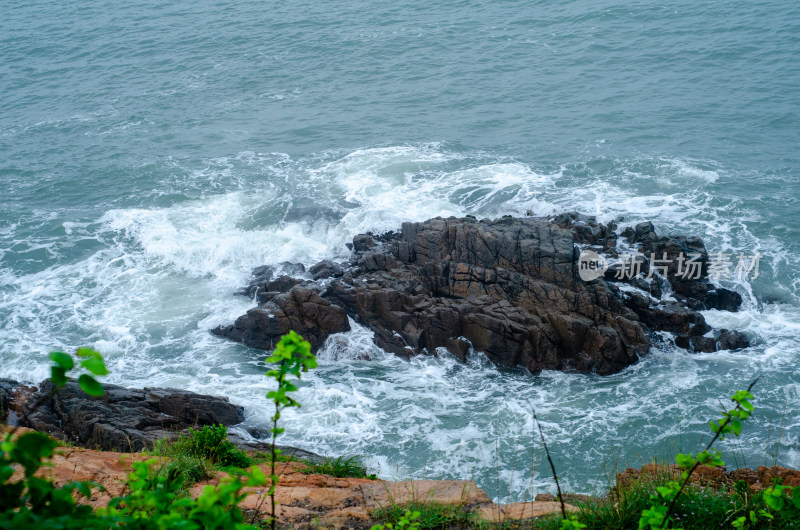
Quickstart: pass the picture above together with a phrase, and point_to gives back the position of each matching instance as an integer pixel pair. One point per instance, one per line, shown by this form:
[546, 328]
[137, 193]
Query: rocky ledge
[122, 419]
[304, 500]
[508, 287]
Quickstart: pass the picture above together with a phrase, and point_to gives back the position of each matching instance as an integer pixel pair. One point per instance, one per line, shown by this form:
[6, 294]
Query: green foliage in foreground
[340, 467]
[156, 493]
[407, 521]
[667, 503]
[198, 453]
[699, 508]
[427, 515]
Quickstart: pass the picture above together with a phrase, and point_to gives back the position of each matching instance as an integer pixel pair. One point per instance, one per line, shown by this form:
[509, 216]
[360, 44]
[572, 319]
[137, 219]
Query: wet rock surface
[508, 287]
[121, 420]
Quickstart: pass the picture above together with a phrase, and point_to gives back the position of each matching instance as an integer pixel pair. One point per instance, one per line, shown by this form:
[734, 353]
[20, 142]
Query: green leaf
[86, 352]
[773, 498]
[29, 450]
[58, 375]
[256, 477]
[90, 385]
[685, 461]
[736, 426]
[95, 364]
[63, 360]
[85, 489]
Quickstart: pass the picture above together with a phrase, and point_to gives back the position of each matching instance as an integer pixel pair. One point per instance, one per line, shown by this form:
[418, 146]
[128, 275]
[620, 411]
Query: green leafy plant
[572, 524]
[425, 516]
[778, 503]
[407, 521]
[156, 501]
[292, 356]
[198, 452]
[661, 501]
[700, 507]
[658, 515]
[90, 360]
[340, 467]
[212, 442]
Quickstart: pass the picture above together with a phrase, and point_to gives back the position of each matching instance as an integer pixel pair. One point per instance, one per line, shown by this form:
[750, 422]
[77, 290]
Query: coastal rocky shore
[508, 287]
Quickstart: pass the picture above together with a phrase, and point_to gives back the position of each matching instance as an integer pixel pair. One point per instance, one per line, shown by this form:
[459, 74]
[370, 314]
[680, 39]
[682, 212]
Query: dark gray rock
[300, 309]
[721, 340]
[295, 269]
[326, 269]
[122, 419]
[363, 242]
[266, 447]
[7, 387]
[265, 290]
[692, 288]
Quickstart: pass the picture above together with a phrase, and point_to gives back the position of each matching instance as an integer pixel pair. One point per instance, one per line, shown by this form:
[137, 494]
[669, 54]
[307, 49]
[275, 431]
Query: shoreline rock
[507, 287]
[123, 419]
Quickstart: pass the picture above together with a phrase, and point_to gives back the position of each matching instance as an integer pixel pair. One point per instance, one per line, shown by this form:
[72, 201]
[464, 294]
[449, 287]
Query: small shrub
[212, 442]
[208, 447]
[408, 521]
[429, 515]
[157, 501]
[192, 468]
[340, 467]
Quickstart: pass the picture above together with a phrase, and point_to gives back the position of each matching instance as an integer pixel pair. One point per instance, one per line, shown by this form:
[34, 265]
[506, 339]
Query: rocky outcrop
[508, 287]
[300, 309]
[122, 419]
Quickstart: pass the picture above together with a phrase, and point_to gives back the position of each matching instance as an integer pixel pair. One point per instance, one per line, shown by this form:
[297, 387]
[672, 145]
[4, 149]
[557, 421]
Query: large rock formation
[122, 419]
[509, 288]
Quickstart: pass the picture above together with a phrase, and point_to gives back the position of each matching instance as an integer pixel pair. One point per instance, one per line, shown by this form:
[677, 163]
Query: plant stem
[272, 475]
[549, 459]
[272, 465]
[719, 432]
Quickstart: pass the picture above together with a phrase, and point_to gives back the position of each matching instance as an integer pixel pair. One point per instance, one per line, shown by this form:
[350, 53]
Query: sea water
[152, 154]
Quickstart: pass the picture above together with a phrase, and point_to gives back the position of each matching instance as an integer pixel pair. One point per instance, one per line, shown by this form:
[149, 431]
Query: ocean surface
[152, 154]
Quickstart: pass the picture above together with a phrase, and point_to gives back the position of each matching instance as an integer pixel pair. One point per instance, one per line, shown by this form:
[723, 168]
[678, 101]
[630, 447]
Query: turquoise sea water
[151, 155]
